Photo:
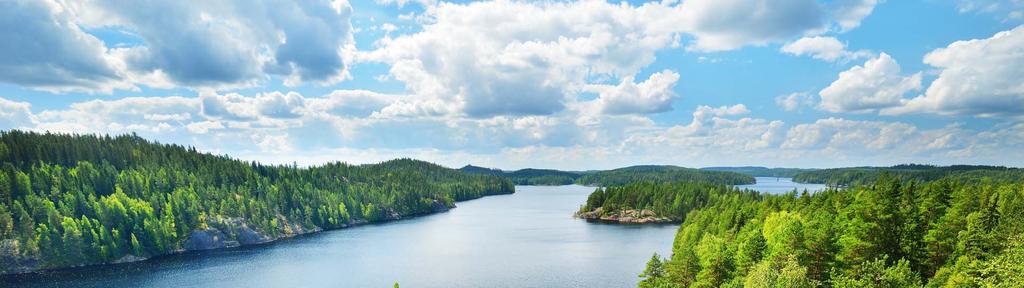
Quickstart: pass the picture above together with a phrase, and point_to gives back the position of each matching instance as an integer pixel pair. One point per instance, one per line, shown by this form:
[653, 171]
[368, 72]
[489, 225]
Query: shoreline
[129, 258]
[628, 216]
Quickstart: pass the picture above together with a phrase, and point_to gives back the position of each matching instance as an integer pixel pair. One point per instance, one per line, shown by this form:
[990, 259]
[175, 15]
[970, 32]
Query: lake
[527, 239]
[773, 185]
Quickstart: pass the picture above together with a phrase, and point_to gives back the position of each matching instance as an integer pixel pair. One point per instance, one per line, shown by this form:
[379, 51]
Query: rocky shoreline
[221, 233]
[629, 216]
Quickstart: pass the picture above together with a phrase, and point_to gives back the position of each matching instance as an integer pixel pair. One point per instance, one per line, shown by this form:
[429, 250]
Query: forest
[72, 200]
[620, 176]
[906, 172]
[529, 176]
[891, 232]
[666, 199]
[662, 173]
[757, 171]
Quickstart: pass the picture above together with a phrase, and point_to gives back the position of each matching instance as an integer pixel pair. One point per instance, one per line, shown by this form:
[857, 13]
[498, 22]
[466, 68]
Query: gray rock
[211, 238]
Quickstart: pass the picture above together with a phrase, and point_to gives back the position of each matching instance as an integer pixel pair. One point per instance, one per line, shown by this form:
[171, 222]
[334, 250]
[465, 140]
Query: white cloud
[357, 103]
[654, 95]
[483, 59]
[849, 13]
[875, 85]
[203, 127]
[793, 101]
[730, 24]
[280, 105]
[823, 48]
[44, 49]
[840, 133]
[202, 44]
[15, 114]
[1007, 10]
[980, 77]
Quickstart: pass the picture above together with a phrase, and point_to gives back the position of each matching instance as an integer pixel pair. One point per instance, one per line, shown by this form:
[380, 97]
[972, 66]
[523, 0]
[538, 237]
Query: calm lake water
[527, 239]
[773, 185]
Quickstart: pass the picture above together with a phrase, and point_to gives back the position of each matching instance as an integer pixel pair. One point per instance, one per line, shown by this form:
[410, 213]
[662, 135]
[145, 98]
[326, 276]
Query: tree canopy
[68, 200]
[892, 232]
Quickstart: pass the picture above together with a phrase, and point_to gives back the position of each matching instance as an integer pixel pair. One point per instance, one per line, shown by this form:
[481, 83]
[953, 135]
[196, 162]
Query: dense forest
[528, 176]
[950, 232]
[660, 174]
[620, 176]
[757, 171]
[670, 199]
[69, 200]
[921, 173]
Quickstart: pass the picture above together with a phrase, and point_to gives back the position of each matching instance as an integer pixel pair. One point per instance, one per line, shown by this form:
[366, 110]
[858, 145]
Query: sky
[516, 84]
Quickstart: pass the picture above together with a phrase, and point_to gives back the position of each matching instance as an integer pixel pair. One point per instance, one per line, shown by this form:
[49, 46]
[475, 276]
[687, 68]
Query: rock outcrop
[219, 233]
[628, 216]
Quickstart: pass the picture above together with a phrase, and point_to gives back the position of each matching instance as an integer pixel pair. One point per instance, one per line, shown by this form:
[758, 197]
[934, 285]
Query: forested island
[960, 230]
[73, 200]
[922, 173]
[620, 176]
[653, 202]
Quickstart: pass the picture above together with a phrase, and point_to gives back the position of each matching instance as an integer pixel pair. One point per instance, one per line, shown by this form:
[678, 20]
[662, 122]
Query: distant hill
[481, 170]
[918, 172]
[662, 173]
[758, 171]
[528, 176]
[620, 176]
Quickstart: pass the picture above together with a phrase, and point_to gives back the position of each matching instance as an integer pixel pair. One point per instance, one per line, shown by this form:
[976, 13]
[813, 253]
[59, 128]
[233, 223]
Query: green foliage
[893, 232]
[672, 200]
[621, 176]
[69, 200]
[661, 174]
[907, 172]
[654, 274]
[877, 274]
[782, 272]
[761, 171]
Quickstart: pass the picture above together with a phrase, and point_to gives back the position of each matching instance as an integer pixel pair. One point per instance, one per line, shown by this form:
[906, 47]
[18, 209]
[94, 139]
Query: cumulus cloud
[483, 59]
[43, 48]
[793, 101]
[842, 133]
[725, 25]
[357, 103]
[235, 43]
[977, 77]
[875, 85]
[849, 13]
[15, 114]
[207, 44]
[651, 96]
[823, 48]
[1007, 10]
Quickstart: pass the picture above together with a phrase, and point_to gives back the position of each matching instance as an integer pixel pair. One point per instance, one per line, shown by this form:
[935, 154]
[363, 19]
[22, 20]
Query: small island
[652, 202]
[627, 216]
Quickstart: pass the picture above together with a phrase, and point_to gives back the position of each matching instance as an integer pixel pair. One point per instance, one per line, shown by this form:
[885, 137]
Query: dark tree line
[672, 199]
[757, 171]
[68, 200]
[662, 174]
[917, 172]
[950, 232]
[620, 176]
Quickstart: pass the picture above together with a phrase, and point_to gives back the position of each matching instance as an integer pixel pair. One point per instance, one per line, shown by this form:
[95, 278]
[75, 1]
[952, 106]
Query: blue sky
[513, 84]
